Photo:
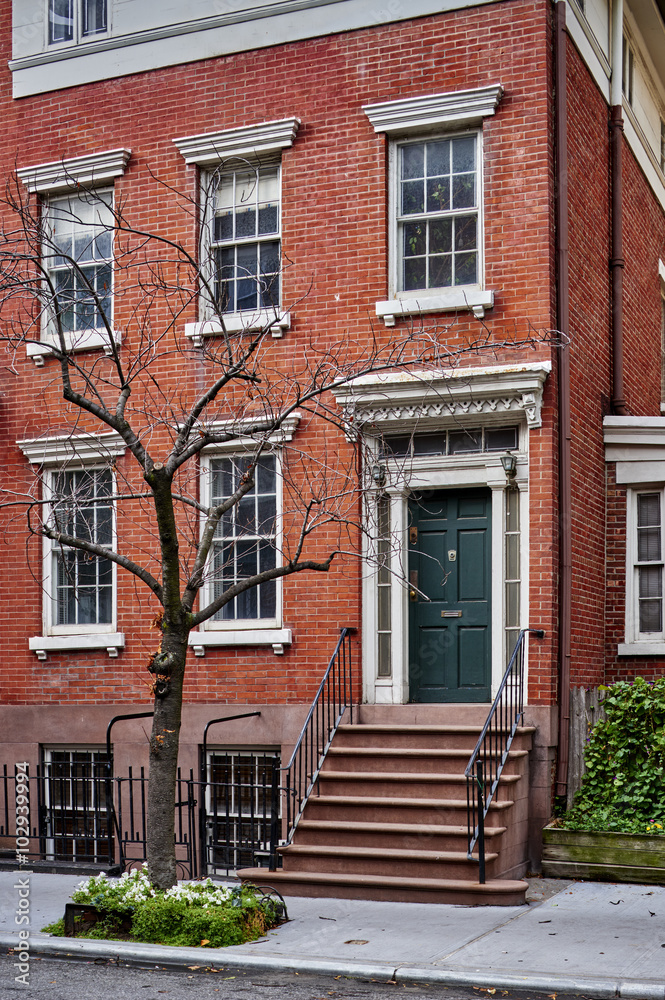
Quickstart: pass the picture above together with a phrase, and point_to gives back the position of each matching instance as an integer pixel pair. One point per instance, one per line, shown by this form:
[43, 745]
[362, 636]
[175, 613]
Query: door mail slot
[451, 614]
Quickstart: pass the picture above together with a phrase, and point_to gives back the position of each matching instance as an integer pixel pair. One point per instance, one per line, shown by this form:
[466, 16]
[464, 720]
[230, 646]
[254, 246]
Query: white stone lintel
[91, 170]
[212, 148]
[418, 114]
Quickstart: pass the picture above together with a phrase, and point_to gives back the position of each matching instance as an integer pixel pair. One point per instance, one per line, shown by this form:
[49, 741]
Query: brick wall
[335, 235]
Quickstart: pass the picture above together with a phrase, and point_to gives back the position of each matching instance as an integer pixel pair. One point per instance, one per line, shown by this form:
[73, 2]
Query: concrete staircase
[389, 822]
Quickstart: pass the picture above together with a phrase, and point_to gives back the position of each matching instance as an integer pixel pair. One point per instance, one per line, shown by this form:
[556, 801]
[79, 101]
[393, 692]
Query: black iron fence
[81, 817]
[491, 751]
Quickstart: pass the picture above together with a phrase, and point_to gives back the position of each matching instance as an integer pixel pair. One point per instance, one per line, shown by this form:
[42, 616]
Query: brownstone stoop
[389, 821]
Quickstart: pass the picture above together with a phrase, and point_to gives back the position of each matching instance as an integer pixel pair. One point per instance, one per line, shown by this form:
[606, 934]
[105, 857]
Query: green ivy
[623, 788]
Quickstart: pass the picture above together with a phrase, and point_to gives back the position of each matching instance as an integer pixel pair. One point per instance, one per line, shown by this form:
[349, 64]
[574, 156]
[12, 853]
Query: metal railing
[333, 698]
[493, 747]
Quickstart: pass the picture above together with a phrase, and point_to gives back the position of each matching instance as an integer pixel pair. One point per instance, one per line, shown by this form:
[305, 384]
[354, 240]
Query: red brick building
[492, 175]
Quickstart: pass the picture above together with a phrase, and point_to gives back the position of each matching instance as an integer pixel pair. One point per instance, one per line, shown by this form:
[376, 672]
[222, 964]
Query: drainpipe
[616, 260]
[563, 302]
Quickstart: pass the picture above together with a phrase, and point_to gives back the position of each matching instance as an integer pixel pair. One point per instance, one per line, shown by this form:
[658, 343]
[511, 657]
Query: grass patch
[190, 915]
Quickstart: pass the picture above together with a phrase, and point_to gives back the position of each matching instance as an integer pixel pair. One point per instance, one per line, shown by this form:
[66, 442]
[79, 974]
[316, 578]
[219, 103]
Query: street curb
[76, 948]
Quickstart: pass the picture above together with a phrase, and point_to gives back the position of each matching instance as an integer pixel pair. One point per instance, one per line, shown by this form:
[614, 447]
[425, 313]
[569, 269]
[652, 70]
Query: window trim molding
[231, 633]
[463, 110]
[80, 449]
[209, 149]
[427, 396]
[635, 644]
[73, 451]
[90, 170]
[454, 108]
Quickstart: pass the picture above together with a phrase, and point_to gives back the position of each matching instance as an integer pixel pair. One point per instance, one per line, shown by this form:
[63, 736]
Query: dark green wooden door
[450, 562]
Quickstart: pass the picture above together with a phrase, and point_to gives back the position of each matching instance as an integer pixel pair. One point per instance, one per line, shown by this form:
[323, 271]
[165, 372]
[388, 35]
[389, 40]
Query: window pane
[464, 441]
[413, 161]
[60, 20]
[413, 197]
[94, 17]
[500, 439]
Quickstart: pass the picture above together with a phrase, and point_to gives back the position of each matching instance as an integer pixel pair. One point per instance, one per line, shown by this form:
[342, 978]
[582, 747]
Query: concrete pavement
[599, 939]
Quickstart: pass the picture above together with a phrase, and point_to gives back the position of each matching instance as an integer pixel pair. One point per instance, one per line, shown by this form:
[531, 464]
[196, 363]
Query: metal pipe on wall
[563, 307]
[616, 260]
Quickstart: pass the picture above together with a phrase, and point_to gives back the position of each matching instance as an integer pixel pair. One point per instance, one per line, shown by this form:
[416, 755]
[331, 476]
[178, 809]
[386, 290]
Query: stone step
[395, 759]
[391, 836]
[452, 737]
[394, 888]
[385, 783]
[384, 861]
[343, 808]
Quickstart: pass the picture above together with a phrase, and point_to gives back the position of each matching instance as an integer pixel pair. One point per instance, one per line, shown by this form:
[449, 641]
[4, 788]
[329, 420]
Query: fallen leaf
[356, 941]
[617, 902]
[205, 941]
[193, 967]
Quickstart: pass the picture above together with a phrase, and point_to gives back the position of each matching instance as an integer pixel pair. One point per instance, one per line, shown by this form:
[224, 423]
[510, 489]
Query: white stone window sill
[278, 638]
[242, 322]
[86, 340]
[453, 300]
[641, 648]
[41, 645]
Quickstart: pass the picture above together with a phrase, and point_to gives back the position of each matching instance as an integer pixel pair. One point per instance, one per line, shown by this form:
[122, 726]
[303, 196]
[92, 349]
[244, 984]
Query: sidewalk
[599, 939]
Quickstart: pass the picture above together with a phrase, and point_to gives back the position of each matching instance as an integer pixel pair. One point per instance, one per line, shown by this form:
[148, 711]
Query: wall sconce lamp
[379, 474]
[509, 463]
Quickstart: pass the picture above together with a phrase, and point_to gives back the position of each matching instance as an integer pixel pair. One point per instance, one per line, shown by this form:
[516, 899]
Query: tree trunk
[164, 742]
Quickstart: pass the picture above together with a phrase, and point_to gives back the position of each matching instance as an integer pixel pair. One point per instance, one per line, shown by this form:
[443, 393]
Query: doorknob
[413, 582]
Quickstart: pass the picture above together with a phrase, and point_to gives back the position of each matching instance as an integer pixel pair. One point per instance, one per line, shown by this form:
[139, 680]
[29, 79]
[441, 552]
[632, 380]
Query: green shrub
[191, 914]
[623, 788]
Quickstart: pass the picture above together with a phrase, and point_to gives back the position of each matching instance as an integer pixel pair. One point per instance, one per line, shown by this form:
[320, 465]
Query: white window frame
[448, 292]
[73, 453]
[419, 119]
[94, 336]
[263, 145]
[49, 582]
[93, 173]
[50, 809]
[253, 631]
[636, 642]
[78, 37]
[255, 317]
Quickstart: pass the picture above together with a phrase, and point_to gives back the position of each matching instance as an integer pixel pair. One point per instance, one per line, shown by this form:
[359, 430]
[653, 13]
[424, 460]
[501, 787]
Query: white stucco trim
[418, 114]
[42, 645]
[475, 300]
[425, 397]
[243, 322]
[275, 637]
[91, 170]
[212, 148]
[78, 448]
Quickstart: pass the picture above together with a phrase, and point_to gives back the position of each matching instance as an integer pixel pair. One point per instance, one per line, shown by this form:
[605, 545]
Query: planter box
[603, 857]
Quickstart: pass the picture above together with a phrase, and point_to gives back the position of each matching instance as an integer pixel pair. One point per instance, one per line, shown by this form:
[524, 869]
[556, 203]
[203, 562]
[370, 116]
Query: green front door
[450, 626]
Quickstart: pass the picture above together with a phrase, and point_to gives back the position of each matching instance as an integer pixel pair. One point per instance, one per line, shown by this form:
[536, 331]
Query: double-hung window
[76, 20]
[245, 239]
[81, 594]
[245, 540]
[438, 213]
[436, 202]
[78, 258]
[647, 568]
[241, 263]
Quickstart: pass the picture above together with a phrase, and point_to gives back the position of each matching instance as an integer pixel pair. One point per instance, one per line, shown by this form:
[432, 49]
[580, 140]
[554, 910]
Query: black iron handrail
[333, 698]
[491, 751]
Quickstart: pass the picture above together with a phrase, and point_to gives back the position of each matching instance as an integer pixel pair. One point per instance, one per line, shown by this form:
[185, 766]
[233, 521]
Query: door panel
[449, 613]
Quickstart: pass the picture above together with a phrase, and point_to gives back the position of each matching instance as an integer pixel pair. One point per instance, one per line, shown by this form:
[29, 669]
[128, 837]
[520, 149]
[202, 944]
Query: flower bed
[190, 914]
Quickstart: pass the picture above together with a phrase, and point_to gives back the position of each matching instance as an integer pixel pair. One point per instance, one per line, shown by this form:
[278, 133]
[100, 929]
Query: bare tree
[57, 269]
